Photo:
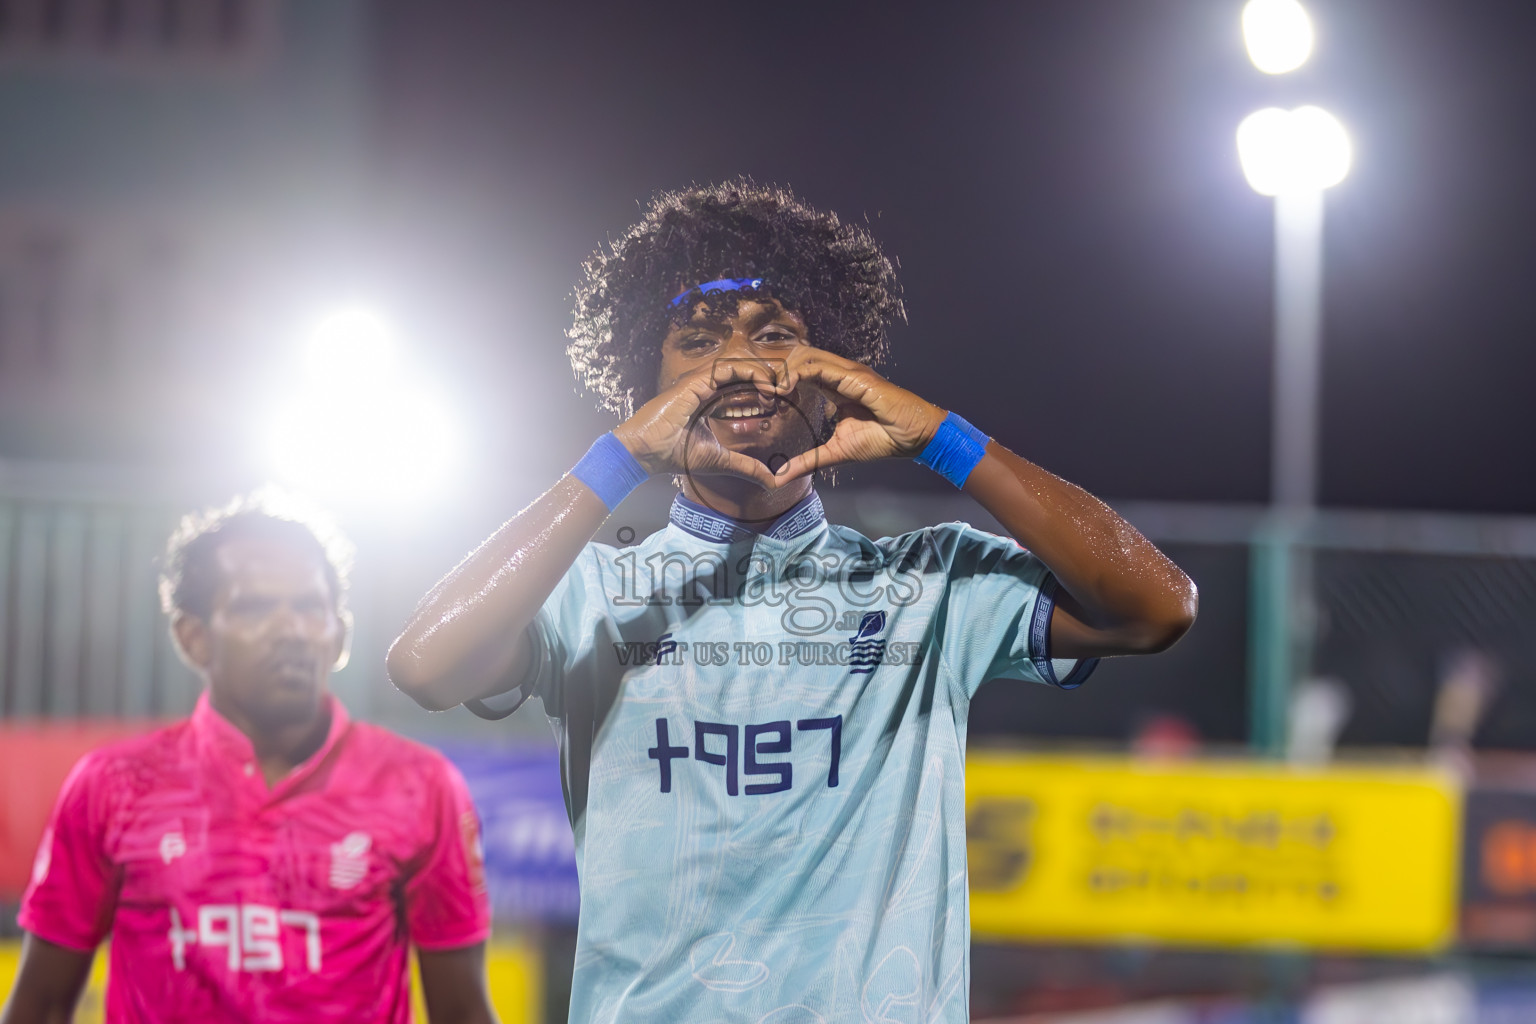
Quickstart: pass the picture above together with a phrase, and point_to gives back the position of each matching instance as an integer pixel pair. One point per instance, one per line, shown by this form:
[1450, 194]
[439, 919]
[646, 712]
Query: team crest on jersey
[474, 848]
[868, 645]
[349, 860]
[172, 845]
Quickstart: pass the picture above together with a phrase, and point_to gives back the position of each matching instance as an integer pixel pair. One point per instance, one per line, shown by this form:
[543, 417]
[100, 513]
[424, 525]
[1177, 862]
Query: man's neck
[744, 501]
[282, 748]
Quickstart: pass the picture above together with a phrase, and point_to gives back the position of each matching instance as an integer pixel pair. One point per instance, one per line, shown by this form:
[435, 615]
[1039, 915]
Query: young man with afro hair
[762, 716]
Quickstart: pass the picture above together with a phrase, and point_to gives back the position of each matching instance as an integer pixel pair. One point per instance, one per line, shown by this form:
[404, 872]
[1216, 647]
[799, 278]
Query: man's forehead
[261, 563]
[748, 310]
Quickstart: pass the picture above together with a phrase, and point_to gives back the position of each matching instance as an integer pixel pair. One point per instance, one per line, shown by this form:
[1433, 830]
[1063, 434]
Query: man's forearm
[30, 1008]
[1124, 596]
[453, 985]
[480, 1012]
[467, 634]
[48, 984]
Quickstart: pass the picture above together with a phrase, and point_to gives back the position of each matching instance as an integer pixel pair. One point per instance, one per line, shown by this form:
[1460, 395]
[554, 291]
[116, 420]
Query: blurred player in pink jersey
[267, 859]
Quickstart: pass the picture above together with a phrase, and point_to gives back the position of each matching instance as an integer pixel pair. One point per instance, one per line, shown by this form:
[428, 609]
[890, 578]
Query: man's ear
[343, 640]
[191, 636]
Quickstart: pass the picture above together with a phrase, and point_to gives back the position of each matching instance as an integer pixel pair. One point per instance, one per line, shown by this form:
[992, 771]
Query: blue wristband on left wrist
[954, 450]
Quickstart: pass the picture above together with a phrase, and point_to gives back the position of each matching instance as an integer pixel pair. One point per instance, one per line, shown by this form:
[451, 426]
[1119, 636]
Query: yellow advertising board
[513, 968]
[1087, 850]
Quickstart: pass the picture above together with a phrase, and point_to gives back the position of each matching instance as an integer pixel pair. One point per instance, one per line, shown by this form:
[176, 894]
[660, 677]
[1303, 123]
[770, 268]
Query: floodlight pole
[1281, 587]
[1298, 334]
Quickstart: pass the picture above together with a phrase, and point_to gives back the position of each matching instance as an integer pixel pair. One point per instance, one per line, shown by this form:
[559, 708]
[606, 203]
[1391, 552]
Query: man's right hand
[670, 433]
[468, 639]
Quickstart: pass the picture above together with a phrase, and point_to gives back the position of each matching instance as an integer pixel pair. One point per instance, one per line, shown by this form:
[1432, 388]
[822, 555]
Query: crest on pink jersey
[349, 859]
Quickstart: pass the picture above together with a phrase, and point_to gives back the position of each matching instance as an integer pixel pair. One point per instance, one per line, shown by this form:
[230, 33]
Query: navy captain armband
[955, 449]
[610, 470]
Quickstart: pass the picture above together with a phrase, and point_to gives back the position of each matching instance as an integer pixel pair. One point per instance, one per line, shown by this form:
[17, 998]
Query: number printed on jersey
[751, 752]
[247, 936]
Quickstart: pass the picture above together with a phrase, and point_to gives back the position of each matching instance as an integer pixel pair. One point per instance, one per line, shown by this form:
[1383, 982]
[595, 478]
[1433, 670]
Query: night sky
[1087, 274]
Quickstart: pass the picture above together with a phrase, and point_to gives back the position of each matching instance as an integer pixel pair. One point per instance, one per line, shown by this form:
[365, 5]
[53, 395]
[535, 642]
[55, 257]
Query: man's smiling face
[757, 339]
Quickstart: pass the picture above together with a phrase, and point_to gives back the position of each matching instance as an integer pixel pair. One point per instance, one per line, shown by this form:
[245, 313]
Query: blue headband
[725, 284]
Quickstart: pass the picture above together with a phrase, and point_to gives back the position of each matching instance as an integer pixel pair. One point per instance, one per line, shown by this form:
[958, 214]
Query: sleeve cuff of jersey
[1040, 642]
[496, 706]
[29, 923]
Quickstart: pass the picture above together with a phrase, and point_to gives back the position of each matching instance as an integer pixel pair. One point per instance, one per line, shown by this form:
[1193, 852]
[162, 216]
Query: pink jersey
[230, 901]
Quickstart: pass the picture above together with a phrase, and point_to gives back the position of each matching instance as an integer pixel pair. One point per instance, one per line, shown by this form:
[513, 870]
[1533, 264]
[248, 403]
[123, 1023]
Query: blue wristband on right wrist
[954, 450]
[610, 470]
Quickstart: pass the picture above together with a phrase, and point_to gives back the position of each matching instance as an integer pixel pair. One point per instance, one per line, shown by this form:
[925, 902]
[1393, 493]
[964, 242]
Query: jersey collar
[707, 524]
[220, 741]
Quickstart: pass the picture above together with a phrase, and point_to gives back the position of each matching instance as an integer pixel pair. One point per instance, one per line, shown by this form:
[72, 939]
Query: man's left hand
[875, 418]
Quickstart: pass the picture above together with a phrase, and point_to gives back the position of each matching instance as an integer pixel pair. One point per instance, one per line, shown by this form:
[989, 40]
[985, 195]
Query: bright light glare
[360, 425]
[1286, 151]
[351, 344]
[1278, 34]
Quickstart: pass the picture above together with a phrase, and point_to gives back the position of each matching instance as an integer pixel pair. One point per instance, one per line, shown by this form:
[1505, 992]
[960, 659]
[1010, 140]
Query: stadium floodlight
[1293, 151]
[361, 426]
[351, 344]
[1278, 34]
[1292, 155]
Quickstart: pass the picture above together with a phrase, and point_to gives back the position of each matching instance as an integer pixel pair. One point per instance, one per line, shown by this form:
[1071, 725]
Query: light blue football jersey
[762, 741]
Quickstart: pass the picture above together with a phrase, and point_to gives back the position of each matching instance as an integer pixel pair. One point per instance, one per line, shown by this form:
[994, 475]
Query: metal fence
[80, 632]
[1395, 598]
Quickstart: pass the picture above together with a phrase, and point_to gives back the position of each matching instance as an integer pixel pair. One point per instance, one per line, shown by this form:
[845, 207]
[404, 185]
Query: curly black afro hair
[833, 274]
